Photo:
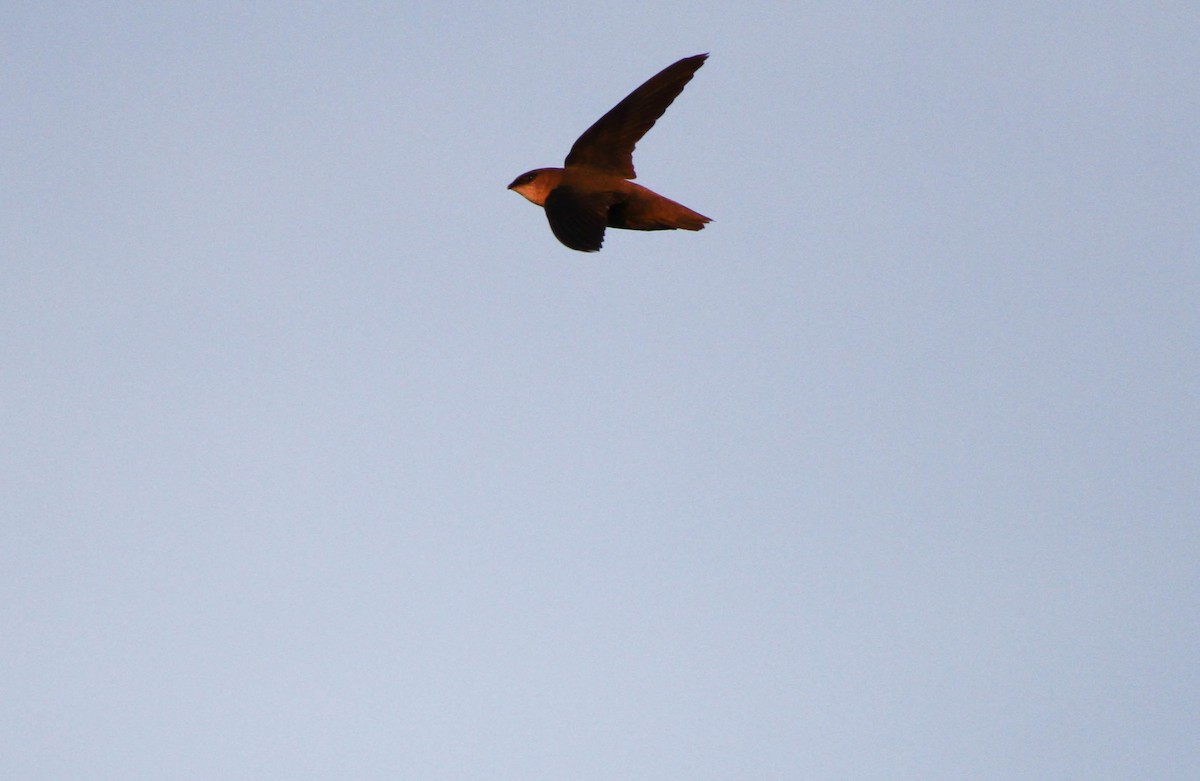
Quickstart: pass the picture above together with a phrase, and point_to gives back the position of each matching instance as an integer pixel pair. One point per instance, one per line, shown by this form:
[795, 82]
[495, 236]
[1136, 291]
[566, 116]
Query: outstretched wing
[577, 218]
[608, 144]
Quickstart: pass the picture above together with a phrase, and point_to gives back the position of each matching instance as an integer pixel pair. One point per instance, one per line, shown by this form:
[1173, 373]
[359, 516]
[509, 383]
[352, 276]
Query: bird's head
[535, 185]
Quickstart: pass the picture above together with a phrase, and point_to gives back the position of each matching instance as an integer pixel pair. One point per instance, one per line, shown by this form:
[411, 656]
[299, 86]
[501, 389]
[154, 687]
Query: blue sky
[322, 458]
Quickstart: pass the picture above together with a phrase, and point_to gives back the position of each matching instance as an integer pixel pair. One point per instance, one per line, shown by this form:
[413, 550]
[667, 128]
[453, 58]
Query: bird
[593, 191]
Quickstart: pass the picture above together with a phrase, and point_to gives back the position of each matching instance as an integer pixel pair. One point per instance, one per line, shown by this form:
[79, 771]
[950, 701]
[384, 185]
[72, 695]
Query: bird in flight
[592, 191]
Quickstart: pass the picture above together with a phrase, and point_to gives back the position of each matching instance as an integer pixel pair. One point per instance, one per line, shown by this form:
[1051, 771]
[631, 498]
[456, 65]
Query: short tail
[661, 214]
[687, 219]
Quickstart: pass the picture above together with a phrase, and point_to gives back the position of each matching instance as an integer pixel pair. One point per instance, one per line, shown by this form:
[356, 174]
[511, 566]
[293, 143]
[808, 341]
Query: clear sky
[321, 458]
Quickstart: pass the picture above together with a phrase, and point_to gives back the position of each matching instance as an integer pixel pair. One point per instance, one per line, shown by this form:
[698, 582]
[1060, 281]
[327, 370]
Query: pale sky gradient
[323, 459]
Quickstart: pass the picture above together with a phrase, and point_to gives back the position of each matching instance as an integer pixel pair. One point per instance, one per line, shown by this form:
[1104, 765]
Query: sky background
[321, 458]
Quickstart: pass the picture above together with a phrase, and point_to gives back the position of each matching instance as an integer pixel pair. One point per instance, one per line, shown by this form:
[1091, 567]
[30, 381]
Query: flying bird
[592, 191]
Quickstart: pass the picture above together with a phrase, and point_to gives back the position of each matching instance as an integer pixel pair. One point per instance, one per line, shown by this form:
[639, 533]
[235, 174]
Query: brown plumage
[593, 190]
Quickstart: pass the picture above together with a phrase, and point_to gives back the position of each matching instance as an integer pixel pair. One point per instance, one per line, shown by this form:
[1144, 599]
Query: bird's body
[592, 191]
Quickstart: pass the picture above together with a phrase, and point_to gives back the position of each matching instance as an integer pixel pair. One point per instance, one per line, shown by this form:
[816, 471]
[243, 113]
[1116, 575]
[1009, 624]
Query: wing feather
[578, 219]
[608, 144]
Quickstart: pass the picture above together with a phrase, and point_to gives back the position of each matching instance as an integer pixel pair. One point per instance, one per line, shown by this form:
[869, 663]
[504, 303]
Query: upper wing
[577, 218]
[608, 144]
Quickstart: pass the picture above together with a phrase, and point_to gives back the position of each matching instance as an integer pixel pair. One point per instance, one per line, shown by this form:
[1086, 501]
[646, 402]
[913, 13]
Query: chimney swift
[593, 190]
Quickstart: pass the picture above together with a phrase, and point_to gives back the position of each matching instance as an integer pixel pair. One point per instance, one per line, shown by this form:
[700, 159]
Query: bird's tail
[653, 212]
